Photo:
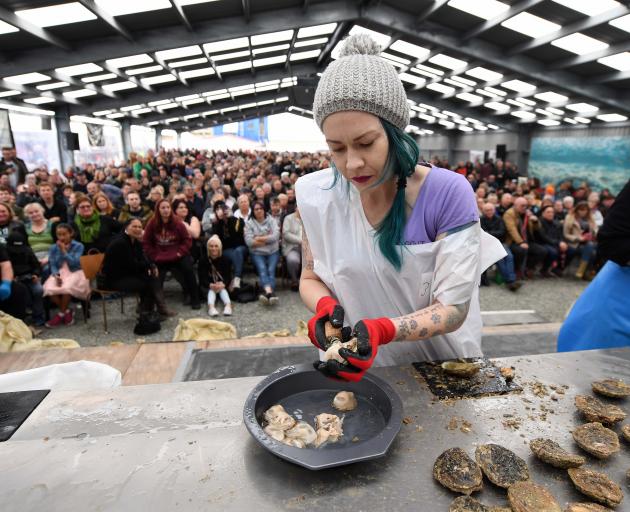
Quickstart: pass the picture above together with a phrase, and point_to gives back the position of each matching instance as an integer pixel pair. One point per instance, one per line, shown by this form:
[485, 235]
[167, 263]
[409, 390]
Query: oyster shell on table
[612, 388]
[530, 497]
[586, 507]
[456, 471]
[468, 504]
[596, 439]
[596, 486]
[625, 432]
[345, 401]
[552, 453]
[460, 369]
[594, 410]
[500, 465]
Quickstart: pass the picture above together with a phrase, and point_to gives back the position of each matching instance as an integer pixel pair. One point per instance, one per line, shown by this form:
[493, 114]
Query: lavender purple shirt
[445, 201]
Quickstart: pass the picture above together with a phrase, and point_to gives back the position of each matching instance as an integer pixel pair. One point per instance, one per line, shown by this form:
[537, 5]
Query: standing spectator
[580, 231]
[493, 224]
[215, 273]
[519, 225]
[167, 243]
[261, 236]
[54, 209]
[13, 167]
[292, 247]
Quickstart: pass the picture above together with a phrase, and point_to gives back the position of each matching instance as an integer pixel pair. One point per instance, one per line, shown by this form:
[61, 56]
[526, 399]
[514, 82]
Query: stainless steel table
[183, 446]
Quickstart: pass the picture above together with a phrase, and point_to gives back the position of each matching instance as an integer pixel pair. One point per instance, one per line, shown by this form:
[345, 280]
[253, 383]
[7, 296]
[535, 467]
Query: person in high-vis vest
[392, 249]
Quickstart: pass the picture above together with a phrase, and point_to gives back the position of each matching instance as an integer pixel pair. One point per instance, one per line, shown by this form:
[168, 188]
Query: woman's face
[165, 210]
[219, 213]
[85, 209]
[5, 215]
[259, 212]
[101, 204]
[34, 214]
[213, 249]
[63, 235]
[182, 210]
[581, 212]
[359, 146]
[134, 229]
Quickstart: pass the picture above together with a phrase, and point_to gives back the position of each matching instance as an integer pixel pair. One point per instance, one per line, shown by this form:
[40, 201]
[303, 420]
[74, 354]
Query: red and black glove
[370, 335]
[327, 310]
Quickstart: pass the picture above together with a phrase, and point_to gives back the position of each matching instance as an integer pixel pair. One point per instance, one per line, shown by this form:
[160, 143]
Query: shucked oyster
[468, 504]
[278, 418]
[345, 401]
[613, 388]
[594, 410]
[531, 497]
[596, 440]
[329, 428]
[456, 471]
[502, 466]
[596, 486]
[552, 453]
[301, 435]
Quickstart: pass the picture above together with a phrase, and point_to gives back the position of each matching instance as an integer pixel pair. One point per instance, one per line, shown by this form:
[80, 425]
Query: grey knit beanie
[361, 80]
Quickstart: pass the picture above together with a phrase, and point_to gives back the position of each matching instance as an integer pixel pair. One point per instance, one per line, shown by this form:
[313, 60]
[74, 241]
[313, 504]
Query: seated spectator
[593, 204]
[194, 201]
[292, 247]
[39, 231]
[492, 224]
[231, 232]
[243, 211]
[167, 243]
[567, 204]
[27, 271]
[215, 273]
[505, 203]
[66, 279]
[27, 192]
[6, 196]
[261, 236]
[54, 209]
[156, 194]
[134, 209]
[8, 223]
[104, 206]
[276, 212]
[550, 236]
[13, 294]
[519, 226]
[558, 211]
[181, 211]
[580, 231]
[94, 231]
[126, 268]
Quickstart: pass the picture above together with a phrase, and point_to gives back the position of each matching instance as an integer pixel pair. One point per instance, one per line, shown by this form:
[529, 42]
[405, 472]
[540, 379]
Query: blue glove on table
[5, 290]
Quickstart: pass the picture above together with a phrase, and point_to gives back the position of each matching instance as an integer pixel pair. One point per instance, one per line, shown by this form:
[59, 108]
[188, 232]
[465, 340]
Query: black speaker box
[71, 141]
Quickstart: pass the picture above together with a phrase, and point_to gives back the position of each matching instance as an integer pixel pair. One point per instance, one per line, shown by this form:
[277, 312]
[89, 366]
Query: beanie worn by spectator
[343, 85]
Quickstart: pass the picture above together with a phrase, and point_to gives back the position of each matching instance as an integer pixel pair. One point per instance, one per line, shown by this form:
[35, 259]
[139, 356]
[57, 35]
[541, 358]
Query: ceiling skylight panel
[305, 55]
[622, 23]
[580, 44]
[226, 45]
[80, 69]
[612, 118]
[272, 37]
[187, 62]
[485, 9]
[466, 96]
[496, 105]
[269, 49]
[80, 93]
[55, 85]
[619, 61]
[54, 15]
[548, 122]
[413, 50]
[310, 42]
[235, 66]
[464, 80]
[158, 79]
[317, 30]
[39, 100]
[27, 78]
[119, 86]
[551, 97]
[412, 79]
[179, 53]
[555, 111]
[518, 86]
[158, 103]
[582, 120]
[524, 115]
[132, 60]
[395, 58]
[269, 61]
[123, 7]
[530, 25]
[5, 28]
[429, 69]
[484, 74]
[144, 70]
[589, 7]
[195, 73]
[98, 78]
[447, 62]
[497, 92]
[454, 82]
[381, 39]
[444, 89]
[582, 107]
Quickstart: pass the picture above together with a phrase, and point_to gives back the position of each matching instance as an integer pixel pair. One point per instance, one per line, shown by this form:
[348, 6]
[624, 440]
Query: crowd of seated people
[205, 217]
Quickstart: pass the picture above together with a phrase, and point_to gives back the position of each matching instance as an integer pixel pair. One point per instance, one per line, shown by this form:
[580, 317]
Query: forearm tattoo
[307, 256]
[430, 321]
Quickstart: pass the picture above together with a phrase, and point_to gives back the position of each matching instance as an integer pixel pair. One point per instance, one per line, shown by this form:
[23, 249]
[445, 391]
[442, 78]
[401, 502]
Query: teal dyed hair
[401, 162]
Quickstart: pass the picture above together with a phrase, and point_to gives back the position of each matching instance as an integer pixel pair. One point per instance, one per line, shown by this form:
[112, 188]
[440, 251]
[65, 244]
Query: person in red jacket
[167, 243]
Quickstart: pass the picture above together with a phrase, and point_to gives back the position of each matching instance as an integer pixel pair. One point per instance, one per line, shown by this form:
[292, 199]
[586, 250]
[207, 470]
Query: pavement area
[549, 298]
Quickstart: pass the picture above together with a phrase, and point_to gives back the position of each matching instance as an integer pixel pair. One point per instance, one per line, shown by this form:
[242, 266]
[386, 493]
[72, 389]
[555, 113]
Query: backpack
[246, 293]
[148, 323]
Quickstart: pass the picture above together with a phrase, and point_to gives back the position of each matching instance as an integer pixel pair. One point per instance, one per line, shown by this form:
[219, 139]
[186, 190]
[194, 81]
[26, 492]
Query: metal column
[62, 121]
[523, 145]
[158, 139]
[126, 137]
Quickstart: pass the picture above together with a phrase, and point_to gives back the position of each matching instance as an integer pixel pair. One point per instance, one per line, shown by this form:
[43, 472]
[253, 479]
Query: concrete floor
[550, 298]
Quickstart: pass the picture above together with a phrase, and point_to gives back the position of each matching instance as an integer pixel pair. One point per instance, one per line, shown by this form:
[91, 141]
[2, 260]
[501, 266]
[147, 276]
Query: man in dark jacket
[492, 224]
[13, 166]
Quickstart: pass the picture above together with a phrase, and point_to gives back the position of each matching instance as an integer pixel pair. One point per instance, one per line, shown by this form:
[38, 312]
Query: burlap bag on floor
[203, 329]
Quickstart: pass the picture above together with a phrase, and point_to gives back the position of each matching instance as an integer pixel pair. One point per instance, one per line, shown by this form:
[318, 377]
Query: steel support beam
[247, 11]
[158, 138]
[387, 18]
[126, 137]
[123, 76]
[62, 121]
[11, 18]
[33, 91]
[615, 76]
[231, 117]
[91, 6]
[517, 8]
[181, 15]
[168, 69]
[433, 8]
[340, 32]
[79, 83]
[578, 60]
[523, 146]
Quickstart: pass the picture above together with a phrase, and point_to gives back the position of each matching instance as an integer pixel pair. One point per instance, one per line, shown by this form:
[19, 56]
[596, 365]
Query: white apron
[348, 261]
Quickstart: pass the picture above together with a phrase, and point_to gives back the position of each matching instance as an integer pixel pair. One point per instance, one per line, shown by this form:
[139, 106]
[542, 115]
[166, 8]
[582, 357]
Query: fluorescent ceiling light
[272, 37]
[423, 70]
[55, 85]
[80, 93]
[305, 55]
[526, 101]
[158, 102]
[228, 44]
[269, 61]
[187, 97]
[268, 49]
[226, 68]
[622, 23]
[80, 69]
[188, 62]
[140, 111]
[551, 97]
[523, 114]
[569, 120]
[191, 116]
[486, 93]
[465, 128]
[582, 107]
[579, 44]
[102, 112]
[195, 73]
[427, 118]
[123, 7]
[196, 101]
[98, 78]
[381, 39]
[544, 112]
[317, 30]
[39, 101]
[448, 124]
[582, 120]
[168, 106]
[153, 123]
[193, 2]
[611, 118]
[530, 25]
[130, 107]
[485, 9]
[219, 97]
[158, 79]
[548, 122]
[27, 78]
[555, 111]
[518, 86]
[145, 70]
[454, 82]
[28, 110]
[119, 86]
[179, 53]
[619, 61]
[466, 96]
[516, 103]
[132, 60]
[498, 92]
[496, 105]
[444, 89]
[395, 58]
[413, 50]
[484, 74]
[232, 55]
[310, 42]
[447, 62]
[464, 80]
[493, 127]
[5, 28]
[589, 7]
[412, 79]
[54, 15]
[116, 115]
[6, 94]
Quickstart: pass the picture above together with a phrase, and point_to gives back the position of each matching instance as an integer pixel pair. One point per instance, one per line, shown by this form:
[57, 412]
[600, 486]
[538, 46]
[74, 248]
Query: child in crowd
[66, 279]
[215, 273]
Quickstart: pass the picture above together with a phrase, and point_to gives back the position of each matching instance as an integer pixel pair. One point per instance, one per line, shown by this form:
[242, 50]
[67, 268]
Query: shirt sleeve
[459, 205]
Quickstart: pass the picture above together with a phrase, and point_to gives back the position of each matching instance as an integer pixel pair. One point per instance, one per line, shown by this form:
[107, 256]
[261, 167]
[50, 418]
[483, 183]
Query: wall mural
[603, 162]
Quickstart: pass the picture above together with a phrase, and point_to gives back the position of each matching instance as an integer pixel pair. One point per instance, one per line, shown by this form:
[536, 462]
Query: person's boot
[581, 269]
[162, 310]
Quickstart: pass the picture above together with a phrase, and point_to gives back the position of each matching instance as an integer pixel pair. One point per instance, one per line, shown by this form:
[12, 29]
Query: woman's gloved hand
[5, 290]
[370, 334]
[327, 310]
